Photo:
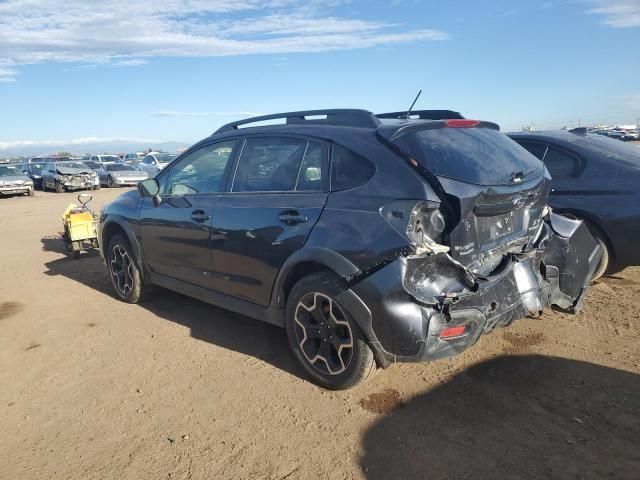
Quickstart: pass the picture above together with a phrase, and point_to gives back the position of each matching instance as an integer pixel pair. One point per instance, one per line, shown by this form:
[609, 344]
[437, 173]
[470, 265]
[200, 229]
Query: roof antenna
[406, 115]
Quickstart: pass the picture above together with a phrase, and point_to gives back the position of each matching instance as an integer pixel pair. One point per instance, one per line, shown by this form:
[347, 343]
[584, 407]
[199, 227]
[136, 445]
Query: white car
[104, 158]
[154, 162]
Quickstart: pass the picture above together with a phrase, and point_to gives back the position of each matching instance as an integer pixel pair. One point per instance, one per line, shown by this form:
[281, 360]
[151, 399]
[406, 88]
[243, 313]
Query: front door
[176, 234]
[277, 195]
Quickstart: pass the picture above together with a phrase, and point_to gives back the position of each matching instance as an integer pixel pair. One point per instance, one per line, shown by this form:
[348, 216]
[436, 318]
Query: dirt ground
[93, 388]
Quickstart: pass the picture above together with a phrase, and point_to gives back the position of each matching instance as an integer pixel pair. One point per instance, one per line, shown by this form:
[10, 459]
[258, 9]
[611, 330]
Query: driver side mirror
[150, 188]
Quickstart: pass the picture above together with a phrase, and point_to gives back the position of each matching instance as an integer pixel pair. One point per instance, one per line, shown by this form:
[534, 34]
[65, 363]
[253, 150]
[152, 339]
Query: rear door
[176, 234]
[277, 193]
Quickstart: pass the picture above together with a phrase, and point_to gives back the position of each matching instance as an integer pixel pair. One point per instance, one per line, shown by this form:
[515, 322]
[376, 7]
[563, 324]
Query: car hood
[73, 171]
[14, 179]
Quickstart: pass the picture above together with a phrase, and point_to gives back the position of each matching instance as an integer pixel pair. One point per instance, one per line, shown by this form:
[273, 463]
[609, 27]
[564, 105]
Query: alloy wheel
[121, 268]
[323, 333]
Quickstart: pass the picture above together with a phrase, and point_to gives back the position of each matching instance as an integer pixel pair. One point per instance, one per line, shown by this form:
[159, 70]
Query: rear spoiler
[422, 115]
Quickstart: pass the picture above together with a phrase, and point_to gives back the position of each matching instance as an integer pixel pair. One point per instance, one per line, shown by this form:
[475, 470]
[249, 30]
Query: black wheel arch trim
[125, 226]
[330, 259]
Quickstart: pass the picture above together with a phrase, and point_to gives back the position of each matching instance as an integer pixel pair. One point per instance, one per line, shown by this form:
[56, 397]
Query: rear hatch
[494, 189]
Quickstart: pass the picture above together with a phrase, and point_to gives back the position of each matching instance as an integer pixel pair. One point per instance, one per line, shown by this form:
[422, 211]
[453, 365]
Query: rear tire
[604, 266]
[125, 275]
[323, 335]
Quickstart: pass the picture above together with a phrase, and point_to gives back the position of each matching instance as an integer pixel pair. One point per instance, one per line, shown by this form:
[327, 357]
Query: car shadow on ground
[206, 322]
[516, 417]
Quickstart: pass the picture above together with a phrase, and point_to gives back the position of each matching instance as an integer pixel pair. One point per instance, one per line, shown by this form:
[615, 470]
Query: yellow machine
[80, 226]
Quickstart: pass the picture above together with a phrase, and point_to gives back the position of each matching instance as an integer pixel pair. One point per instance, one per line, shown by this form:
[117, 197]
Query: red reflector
[452, 332]
[461, 123]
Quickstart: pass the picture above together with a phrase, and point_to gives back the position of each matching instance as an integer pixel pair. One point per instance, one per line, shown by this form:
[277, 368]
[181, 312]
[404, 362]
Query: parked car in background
[118, 174]
[95, 166]
[595, 179]
[14, 182]
[154, 162]
[132, 157]
[104, 158]
[370, 239]
[64, 176]
[33, 170]
[49, 158]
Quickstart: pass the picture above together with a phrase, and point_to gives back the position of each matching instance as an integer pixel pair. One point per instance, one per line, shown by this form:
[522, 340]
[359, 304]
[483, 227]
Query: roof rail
[423, 115]
[343, 117]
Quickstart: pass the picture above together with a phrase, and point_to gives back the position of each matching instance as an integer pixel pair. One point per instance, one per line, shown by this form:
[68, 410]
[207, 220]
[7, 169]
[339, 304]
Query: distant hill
[92, 146]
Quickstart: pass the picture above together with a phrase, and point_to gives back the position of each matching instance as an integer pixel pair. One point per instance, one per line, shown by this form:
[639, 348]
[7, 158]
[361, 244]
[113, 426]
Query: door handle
[292, 217]
[199, 216]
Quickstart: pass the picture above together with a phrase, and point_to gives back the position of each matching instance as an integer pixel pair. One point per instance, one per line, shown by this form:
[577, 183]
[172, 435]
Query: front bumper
[128, 181]
[15, 189]
[79, 185]
[409, 308]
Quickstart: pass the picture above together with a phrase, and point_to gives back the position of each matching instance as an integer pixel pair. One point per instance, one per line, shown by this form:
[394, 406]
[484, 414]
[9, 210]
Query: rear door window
[537, 149]
[314, 169]
[269, 164]
[561, 164]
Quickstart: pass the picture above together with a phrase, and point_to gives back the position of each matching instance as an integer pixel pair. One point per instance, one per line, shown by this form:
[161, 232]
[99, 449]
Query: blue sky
[177, 69]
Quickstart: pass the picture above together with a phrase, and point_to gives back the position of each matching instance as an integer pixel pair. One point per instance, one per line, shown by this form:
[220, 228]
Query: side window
[314, 170]
[349, 170]
[148, 160]
[536, 149]
[561, 165]
[269, 164]
[201, 171]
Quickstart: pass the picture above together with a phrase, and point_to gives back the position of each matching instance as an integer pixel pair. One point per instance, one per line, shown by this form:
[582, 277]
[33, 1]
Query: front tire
[109, 182]
[44, 186]
[323, 335]
[126, 277]
[59, 187]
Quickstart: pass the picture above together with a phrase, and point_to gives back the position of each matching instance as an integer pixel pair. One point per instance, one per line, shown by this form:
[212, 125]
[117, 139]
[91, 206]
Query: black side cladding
[571, 255]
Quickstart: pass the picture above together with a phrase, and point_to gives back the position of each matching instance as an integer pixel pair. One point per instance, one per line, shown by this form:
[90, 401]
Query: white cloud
[125, 33]
[618, 13]
[202, 114]
[75, 141]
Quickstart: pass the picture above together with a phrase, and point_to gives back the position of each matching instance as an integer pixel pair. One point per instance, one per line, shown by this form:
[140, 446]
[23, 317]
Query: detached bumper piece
[427, 307]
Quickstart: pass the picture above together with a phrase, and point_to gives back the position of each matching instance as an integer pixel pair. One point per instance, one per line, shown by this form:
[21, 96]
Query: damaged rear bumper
[427, 307]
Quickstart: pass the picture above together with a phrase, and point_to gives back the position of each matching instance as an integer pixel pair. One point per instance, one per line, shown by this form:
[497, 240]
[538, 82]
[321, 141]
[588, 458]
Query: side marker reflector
[452, 332]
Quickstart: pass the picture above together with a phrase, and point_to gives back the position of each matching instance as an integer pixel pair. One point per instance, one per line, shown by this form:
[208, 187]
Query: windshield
[481, 156]
[109, 158]
[36, 167]
[165, 157]
[119, 168]
[9, 172]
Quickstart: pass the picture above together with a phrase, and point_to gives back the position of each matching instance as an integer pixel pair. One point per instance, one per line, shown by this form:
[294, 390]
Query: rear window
[475, 155]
